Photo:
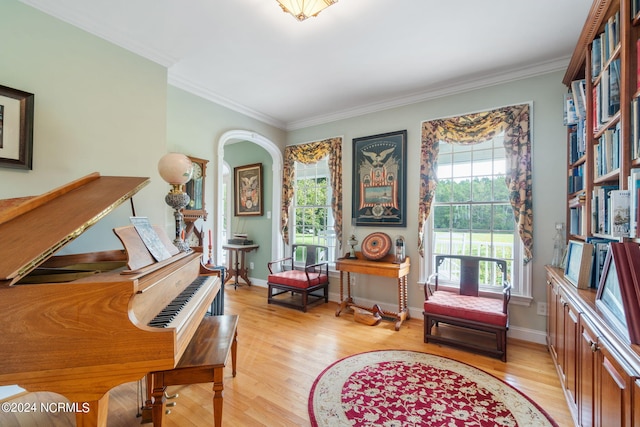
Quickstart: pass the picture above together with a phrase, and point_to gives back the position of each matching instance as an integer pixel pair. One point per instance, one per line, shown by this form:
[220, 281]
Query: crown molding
[205, 93]
[453, 88]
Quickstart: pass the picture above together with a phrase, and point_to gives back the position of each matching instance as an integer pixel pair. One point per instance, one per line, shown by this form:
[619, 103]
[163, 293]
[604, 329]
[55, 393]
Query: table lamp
[176, 169]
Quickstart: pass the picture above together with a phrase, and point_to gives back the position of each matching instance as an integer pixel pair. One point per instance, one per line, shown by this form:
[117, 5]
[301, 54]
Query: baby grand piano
[78, 325]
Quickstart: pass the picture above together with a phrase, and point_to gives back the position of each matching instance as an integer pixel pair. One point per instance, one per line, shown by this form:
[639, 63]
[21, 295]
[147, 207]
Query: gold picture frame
[247, 193]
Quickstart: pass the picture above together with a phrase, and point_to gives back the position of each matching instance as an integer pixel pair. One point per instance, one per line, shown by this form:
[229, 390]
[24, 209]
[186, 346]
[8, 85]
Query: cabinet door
[570, 354]
[613, 391]
[587, 347]
[552, 317]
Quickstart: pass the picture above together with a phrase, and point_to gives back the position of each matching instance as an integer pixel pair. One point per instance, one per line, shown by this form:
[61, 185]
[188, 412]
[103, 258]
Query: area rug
[407, 388]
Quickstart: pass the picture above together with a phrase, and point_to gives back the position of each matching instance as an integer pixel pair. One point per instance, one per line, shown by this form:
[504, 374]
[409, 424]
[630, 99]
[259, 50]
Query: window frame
[330, 235]
[521, 272]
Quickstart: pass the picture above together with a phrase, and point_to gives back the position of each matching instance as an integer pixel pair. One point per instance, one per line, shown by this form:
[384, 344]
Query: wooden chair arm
[432, 279]
[270, 263]
[311, 268]
[506, 296]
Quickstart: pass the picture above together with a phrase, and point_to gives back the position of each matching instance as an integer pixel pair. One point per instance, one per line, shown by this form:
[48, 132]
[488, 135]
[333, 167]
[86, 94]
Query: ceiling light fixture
[302, 9]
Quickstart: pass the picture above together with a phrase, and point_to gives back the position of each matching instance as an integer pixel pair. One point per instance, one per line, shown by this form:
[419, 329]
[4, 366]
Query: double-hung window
[312, 214]
[472, 214]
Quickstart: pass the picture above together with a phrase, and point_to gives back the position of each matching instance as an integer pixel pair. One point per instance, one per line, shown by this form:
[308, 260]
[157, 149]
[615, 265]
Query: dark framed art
[247, 194]
[16, 128]
[380, 180]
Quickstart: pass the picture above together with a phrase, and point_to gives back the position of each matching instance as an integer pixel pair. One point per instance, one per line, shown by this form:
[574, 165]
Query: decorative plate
[376, 245]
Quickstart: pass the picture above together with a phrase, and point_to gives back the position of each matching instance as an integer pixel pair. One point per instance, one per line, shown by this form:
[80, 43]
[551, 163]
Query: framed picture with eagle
[247, 200]
[380, 180]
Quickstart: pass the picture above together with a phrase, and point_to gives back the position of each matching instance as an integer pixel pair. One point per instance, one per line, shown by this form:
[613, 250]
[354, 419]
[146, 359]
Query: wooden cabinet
[598, 370]
[587, 348]
[613, 388]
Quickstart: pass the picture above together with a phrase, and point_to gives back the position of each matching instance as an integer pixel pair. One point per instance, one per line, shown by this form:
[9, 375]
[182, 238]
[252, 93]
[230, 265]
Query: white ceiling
[355, 57]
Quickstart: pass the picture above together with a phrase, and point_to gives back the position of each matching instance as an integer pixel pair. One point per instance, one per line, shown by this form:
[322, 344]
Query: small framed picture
[16, 128]
[578, 267]
[247, 194]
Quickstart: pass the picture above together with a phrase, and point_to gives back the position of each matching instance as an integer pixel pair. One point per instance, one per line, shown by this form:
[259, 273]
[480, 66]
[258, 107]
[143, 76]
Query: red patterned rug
[407, 388]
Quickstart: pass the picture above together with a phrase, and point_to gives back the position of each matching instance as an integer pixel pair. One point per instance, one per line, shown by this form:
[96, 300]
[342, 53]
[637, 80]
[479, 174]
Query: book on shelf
[619, 213]
[600, 249]
[614, 87]
[570, 114]
[578, 88]
[635, 129]
[607, 151]
[596, 58]
[634, 203]
[600, 208]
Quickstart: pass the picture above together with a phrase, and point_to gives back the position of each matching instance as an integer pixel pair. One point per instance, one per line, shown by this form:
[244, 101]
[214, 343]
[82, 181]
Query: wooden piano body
[86, 331]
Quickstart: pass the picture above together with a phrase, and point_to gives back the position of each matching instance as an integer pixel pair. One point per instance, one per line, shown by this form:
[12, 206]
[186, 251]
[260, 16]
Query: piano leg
[96, 415]
[158, 398]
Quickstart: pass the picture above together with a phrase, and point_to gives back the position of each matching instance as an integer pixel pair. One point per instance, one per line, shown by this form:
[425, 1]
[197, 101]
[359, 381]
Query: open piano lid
[32, 229]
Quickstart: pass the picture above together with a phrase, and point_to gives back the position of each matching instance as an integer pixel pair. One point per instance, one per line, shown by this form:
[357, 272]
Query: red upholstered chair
[467, 308]
[307, 281]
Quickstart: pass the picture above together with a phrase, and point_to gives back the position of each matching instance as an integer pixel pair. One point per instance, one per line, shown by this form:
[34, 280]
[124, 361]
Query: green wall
[257, 227]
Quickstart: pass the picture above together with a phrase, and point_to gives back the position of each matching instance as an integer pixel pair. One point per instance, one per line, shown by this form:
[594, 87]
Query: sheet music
[150, 238]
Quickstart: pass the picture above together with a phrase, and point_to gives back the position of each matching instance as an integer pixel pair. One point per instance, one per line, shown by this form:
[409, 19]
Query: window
[472, 214]
[312, 206]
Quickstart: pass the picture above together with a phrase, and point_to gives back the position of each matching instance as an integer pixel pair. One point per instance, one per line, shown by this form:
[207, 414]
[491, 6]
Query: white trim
[234, 136]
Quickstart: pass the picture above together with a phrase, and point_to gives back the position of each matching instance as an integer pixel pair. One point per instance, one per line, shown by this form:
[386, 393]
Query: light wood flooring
[281, 352]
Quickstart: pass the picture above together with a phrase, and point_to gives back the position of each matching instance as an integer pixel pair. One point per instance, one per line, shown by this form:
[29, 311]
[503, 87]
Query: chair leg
[305, 297]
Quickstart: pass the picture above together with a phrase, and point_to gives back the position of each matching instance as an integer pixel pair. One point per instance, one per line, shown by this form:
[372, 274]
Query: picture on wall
[247, 192]
[379, 180]
[16, 128]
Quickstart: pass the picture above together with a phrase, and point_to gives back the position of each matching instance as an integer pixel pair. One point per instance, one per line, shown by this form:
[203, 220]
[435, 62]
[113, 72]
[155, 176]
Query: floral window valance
[480, 127]
[309, 153]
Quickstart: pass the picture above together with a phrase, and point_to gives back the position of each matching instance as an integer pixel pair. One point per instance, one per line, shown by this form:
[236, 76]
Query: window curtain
[480, 127]
[310, 153]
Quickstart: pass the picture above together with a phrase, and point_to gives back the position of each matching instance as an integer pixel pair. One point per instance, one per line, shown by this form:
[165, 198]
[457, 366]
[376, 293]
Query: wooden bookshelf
[599, 370]
[605, 60]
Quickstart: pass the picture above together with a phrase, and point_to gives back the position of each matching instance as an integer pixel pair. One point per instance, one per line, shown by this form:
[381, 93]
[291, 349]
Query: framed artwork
[16, 128]
[247, 194]
[380, 180]
[578, 267]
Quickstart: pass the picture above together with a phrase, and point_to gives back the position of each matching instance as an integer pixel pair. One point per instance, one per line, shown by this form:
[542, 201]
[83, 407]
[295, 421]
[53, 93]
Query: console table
[237, 268]
[386, 267]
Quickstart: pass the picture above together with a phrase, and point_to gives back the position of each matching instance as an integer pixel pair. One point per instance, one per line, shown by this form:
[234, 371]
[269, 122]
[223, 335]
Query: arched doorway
[231, 137]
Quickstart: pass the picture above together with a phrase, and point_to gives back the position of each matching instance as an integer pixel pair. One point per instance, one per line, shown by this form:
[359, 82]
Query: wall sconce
[176, 169]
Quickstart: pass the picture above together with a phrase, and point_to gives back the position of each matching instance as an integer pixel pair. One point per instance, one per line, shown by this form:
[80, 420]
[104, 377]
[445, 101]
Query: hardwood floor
[280, 353]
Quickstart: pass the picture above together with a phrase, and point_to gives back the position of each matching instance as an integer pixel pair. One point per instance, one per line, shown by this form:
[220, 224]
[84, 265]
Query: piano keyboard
[169, 313]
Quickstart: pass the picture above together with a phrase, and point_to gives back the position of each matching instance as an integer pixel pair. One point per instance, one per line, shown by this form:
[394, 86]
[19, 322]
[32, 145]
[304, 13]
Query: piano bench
[203, 361]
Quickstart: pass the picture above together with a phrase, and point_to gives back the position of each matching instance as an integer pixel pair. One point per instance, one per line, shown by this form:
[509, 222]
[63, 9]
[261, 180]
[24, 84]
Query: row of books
[606, 95]
[577, 223]
[577, 141]
[610, 211]
[607, 152]
[604, 45]
[575, 182]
